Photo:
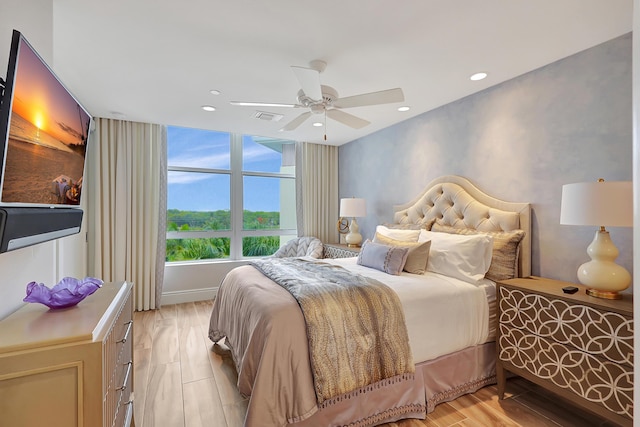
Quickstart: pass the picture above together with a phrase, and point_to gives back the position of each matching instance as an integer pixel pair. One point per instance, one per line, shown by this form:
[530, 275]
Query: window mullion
[236, 196]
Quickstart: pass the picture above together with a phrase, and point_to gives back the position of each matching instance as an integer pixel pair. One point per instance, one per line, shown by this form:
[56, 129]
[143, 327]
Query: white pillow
[464, 257]
[403, 235]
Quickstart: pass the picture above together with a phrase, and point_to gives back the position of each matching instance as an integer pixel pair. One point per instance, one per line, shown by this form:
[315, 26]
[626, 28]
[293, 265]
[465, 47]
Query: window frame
[237, 231]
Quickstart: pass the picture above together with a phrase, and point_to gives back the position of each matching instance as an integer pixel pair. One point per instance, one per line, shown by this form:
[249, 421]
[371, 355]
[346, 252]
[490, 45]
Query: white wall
[47, 262]
[194, 281]
[34, 19]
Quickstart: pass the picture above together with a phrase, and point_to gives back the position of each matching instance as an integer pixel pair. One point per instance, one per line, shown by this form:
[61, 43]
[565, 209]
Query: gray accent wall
[521, 140]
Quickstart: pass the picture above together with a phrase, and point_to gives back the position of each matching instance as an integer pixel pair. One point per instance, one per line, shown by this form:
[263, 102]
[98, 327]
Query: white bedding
[443, 314]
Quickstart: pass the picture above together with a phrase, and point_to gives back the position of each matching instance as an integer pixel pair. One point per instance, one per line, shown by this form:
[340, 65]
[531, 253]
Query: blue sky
[211, 150]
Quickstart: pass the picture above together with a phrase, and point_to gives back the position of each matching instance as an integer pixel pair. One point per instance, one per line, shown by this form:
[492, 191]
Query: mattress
[436, 326]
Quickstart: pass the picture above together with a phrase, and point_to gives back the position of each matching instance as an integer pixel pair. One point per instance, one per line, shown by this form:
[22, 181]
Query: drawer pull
[126, 377]
[128, 331]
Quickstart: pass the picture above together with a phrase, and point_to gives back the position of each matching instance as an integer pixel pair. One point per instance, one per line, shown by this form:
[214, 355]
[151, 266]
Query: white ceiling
[156, 60]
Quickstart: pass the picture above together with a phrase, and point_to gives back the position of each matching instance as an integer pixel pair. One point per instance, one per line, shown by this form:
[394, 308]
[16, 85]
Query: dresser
[69, 367]
[335, 250]
[574, 345]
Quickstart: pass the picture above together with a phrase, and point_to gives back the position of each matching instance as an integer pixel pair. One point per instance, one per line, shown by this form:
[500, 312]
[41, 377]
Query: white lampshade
[600, 204]
[603, 203]
[353, 207]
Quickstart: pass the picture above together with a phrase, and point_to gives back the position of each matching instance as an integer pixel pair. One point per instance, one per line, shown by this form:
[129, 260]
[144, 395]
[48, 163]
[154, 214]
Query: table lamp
[353, 208]
[603, 204]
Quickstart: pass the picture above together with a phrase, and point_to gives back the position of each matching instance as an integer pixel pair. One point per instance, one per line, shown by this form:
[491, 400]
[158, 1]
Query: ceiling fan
[321, 99]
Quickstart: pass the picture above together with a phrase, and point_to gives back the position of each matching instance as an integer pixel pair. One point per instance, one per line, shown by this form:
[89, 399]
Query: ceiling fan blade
[374, 98]
[297, 121]
[347, 119]
[263, 104]
[309, 81]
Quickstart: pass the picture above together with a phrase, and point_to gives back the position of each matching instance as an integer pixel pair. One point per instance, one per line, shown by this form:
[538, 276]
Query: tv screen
[43, 132]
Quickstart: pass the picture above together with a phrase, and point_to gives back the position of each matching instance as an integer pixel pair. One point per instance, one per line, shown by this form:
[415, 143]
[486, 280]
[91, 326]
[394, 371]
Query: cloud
[196, 159]
[186, 177]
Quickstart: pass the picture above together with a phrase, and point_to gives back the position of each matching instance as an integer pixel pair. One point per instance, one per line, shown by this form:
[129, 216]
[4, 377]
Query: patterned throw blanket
[355, 326]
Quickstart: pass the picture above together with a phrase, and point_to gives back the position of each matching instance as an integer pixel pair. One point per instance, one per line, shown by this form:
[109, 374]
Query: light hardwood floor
[179, 380]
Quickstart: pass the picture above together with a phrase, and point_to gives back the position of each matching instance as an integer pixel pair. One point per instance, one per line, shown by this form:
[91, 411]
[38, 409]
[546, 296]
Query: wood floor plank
[203, 308]
[468, 422]
[474, 409]
[224, 372]
[143, 327]
[515, 386]
[202, 405]
[194, 360]
[235, 413]
[187, 315]
[511, 409]
[444, 415]
[142, 359]
[166, 312]
[410, 422]
[556, 409]
[164, 405]
[166, 347]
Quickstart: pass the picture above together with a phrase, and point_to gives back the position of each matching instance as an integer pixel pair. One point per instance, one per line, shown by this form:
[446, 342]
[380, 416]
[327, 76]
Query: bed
[449, 311]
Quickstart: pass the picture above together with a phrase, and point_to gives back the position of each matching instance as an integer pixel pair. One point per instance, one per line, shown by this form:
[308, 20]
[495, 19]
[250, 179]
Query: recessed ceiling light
[215, 92]
[208, 108]
[317, 124]
[478, 76]
[405, 108]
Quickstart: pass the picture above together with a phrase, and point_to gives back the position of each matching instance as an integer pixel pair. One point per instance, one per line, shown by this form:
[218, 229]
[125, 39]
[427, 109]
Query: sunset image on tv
[44, 161]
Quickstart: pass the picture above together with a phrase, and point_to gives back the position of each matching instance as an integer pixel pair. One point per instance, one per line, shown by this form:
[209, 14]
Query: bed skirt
[441, 380]
[453, 375]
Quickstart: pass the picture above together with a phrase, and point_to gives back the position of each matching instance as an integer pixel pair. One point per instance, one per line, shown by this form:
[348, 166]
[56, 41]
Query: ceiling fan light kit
[322, 99]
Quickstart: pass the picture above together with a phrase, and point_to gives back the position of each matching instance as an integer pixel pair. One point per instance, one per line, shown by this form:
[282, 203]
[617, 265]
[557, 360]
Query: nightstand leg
[502, 380]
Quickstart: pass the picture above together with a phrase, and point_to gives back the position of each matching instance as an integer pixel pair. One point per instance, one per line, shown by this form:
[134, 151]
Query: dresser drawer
[601, 333]
[123, 400]
[593, 378]
[118, 351]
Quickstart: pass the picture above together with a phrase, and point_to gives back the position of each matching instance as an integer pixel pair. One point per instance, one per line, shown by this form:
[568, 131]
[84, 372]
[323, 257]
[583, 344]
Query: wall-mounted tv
[43, 134]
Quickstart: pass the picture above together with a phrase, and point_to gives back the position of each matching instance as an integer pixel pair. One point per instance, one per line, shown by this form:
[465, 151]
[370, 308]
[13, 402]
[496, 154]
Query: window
[229, 196]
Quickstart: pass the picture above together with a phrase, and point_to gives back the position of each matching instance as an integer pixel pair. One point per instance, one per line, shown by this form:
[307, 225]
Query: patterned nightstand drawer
[590, 377]
[598, 332]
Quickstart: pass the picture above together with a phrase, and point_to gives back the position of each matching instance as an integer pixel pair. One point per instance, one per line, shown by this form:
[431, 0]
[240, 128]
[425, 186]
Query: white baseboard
[192, 295]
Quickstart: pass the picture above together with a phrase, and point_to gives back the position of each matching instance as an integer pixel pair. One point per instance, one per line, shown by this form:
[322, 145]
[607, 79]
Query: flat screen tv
[43, 134]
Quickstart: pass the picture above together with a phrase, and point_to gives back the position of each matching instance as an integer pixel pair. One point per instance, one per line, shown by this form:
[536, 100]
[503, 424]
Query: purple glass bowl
[67, 293]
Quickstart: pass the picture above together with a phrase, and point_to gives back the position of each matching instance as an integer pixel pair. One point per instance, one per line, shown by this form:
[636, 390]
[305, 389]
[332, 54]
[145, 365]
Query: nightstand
[335, 250]
[574, 345]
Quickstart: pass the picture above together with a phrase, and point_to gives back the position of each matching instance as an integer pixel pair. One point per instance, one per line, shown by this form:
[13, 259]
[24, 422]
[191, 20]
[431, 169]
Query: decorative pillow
[506, 249]
[397, 234]
[390, 259]
[416, 258]
[463, 257]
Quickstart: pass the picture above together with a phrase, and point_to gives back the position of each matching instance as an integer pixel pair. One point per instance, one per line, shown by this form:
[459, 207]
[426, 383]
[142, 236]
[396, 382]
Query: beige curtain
[317, 191]
[126, 208]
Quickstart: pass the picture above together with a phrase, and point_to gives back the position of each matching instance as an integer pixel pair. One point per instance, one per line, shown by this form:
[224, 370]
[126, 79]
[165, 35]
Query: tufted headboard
[453, 200]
